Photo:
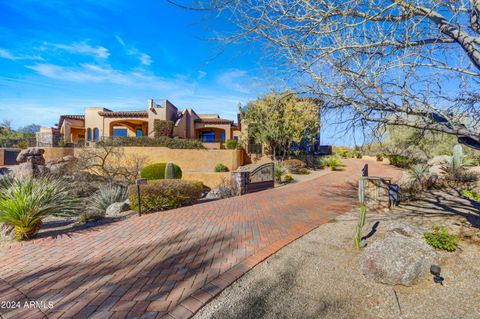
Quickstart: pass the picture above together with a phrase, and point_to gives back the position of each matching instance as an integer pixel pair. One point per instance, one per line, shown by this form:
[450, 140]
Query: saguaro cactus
[457, 158]
[169, 171]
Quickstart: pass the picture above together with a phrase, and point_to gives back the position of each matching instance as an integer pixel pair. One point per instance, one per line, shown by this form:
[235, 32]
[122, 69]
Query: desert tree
[411, 63]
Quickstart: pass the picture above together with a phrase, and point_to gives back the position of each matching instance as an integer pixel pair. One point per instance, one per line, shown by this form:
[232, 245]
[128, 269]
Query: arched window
[96, 134]
[89, 134]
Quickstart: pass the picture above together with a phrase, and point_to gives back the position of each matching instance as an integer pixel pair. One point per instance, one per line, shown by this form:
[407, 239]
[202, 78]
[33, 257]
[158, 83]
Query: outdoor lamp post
[138, 182]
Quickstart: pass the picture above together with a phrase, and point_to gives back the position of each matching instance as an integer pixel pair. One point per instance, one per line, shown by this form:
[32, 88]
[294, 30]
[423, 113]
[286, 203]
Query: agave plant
[279, 171]
[419, 172]
[106, 196]
[25, 202]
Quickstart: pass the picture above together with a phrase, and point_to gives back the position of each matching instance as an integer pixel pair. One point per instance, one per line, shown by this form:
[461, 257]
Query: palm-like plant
[25, 202]
[419, 172]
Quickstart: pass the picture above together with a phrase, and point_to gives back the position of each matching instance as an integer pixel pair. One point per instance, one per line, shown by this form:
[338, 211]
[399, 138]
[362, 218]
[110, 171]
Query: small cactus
[361, 223]
[361, 191]
[169, 171]
[457, 158]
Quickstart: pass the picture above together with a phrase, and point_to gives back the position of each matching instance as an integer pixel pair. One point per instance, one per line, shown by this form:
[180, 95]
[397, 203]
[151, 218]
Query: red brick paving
[169, 264]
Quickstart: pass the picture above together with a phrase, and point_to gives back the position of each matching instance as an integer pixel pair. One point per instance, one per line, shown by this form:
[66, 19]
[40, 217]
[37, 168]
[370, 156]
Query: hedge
[231, 144]
[157, 171]
[164, 194]
[162, 141]
[220, 168]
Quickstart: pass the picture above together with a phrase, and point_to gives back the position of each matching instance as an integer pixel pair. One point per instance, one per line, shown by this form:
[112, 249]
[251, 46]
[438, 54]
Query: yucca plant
[25, 202]
[279, 171]
[106, 196]
[419, 173]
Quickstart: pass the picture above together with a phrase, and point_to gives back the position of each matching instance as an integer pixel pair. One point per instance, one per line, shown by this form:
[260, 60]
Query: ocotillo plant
[363, 213]
[169, 171]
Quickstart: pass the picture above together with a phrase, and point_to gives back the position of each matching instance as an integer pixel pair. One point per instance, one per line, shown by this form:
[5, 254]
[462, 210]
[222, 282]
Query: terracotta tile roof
[69, 117]
[130, 114]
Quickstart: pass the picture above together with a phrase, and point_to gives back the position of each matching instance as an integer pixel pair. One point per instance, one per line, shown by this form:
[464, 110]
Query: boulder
[29, 169]
[117, 208]
[397, 260]
[6, 232]
[219, 192]
[439, 160]
[394, 227]
[34, 152]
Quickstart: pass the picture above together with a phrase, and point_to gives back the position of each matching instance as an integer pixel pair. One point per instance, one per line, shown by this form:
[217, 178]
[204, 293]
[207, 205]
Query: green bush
[288, 178]
[358, 154]
[162, 128]
[279, 171]
[220, 168]
[164, 194]
[25, 202]
[231, 144]
[401, 161]
[161, 141]
[379, 157]
[439, 238]
[334, 162]
[294, 165]
[304, 171]
[157, 171]
[471, 195]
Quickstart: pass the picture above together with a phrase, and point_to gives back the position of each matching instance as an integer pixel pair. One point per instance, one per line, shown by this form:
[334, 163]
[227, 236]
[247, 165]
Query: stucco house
[99, 123]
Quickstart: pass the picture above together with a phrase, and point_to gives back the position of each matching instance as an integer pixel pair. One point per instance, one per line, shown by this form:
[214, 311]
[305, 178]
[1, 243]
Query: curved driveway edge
[170, 264]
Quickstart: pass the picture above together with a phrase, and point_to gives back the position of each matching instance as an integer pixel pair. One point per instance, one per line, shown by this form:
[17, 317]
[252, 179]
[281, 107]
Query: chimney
[239, 120]
[150, 104]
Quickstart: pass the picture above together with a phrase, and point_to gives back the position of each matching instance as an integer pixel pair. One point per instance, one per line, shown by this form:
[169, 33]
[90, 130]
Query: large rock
[61, 166]
[117, 208]
[397, 260]
[220, 192]
[33, 154]
[394, 227]
[29, 169]
[439, 160]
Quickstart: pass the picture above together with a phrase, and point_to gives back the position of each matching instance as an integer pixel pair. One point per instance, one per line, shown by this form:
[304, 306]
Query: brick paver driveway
[167, 264]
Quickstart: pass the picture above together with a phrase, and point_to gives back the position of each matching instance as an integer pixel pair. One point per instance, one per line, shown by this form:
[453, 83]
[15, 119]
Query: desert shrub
[358, 154]
[419, 173]
[294, 165]
[231, 144]
[303, 171]
[104, 197]
[379, 157]
[25, 202]
[456, 168]
[401, 161]
[160, 141]
[162, 128]
[471, 195]
[288, 178]
[279, 171]
[334, 162]
[220, 168]
[159, 195]
[157, 171]
[439, 238]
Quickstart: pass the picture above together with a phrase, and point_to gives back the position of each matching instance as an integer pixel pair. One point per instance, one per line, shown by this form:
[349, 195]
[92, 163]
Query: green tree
[280, 119]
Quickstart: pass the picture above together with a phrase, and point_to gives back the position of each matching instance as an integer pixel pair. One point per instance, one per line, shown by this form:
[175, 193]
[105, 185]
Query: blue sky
[58, 57]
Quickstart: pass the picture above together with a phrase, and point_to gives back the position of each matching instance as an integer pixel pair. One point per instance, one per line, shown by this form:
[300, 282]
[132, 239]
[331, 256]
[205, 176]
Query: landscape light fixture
[138, 182]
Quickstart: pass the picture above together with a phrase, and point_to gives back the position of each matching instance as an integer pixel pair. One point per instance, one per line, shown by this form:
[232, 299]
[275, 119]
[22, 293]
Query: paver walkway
[168, 264]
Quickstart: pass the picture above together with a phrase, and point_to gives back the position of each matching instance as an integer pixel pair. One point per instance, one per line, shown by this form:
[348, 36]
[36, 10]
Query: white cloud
[145, 59]
[84, 48]
[93, 73]
[236, 80]
[6, 54]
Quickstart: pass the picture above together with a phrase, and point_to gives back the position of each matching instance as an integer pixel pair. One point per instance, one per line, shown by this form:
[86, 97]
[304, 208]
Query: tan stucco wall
[211, 180]
[57, 152]
[188, 160]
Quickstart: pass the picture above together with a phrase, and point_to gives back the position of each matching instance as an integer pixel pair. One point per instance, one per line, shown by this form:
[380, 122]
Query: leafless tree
[413, 63]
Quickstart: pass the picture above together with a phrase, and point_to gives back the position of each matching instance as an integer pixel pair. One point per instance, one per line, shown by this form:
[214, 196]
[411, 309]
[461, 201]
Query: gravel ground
[317, 276]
